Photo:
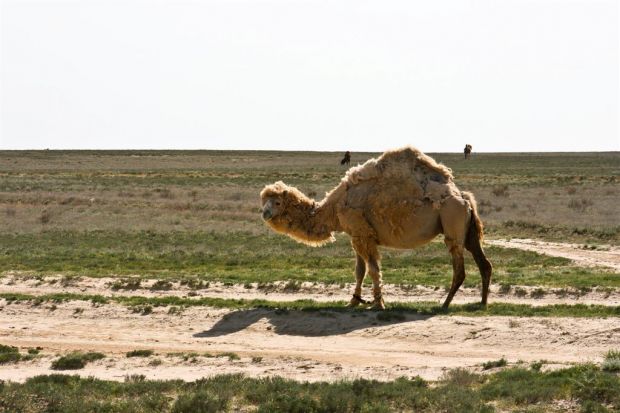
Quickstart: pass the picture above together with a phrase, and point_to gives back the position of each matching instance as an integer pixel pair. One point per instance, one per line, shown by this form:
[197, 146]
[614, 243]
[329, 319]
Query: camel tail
[476, 228]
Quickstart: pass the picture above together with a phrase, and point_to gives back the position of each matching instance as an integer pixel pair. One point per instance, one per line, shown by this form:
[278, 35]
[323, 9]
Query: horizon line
[282, 150]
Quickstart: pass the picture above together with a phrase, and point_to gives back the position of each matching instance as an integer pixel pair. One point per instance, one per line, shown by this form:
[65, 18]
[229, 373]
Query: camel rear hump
[403, 163]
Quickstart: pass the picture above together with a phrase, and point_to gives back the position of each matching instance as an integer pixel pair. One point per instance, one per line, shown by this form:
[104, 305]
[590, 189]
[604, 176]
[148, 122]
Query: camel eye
[278, 203]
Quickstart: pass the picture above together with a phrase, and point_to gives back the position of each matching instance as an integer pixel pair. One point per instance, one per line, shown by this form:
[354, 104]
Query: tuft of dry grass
[580, 205]
[500, 191]
[45, 216]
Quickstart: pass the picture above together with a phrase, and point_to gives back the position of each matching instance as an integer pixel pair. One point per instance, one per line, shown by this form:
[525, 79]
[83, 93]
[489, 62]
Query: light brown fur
[403, 199]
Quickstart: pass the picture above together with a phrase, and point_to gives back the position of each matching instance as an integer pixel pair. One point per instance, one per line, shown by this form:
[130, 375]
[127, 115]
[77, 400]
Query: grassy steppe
[194, 215]
[556, 196]
[524, 389]
[173, 214]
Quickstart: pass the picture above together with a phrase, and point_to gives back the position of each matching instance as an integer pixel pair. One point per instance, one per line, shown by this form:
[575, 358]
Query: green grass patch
[512, 389]
[395, 311]
[9, 354]
[245, 258]
[230, 355]
[140, 353]
[75, 361]
[612, 361]
[494, 364]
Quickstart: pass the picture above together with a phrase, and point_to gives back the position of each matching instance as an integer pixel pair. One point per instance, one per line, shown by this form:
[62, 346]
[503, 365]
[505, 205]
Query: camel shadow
[314, 323]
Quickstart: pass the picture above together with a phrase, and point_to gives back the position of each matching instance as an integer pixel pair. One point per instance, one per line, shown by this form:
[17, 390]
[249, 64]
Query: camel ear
[284, 193]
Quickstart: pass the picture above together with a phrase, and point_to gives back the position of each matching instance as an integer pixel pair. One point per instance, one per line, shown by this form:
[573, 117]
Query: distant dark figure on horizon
[467, 151]
[347, 159]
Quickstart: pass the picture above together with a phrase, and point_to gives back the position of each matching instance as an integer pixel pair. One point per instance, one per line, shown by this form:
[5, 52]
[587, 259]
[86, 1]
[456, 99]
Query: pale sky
[521, 75]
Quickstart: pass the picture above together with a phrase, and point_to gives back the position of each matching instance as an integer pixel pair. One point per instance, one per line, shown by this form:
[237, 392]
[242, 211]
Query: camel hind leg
[455, 216]
[473, 245]
[458, 269]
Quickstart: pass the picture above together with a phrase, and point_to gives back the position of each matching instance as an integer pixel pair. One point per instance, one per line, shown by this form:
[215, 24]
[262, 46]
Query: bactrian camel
[467, 151]
[403, 199]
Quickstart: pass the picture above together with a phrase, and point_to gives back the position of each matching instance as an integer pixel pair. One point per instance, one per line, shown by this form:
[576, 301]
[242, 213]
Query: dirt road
[603, 256]
[299, 345]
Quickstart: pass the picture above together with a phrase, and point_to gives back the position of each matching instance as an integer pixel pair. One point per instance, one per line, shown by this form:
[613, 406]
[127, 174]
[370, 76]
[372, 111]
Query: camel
[402, 199]
[467, 151]
[346, 160]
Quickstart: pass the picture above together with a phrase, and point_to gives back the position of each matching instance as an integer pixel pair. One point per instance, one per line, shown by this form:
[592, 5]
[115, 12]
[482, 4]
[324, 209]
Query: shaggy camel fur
[403, 199]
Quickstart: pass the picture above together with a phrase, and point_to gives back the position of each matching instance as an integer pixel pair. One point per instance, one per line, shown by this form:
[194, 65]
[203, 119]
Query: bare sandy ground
[299, 345]
[603, 256]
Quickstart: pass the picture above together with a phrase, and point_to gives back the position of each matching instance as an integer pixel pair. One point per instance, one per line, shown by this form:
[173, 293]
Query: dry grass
[218, 190]
[580, 205]
[501, 191]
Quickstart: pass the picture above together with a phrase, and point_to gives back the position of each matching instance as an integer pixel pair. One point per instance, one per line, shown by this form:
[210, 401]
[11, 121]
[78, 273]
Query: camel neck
[325, 216]
[312, 222]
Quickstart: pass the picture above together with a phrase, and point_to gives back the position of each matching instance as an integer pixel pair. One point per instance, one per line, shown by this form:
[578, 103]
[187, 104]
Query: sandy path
[299, 345]
[607, 256]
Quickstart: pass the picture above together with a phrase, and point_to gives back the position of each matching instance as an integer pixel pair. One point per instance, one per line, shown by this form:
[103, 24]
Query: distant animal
[467, 151]
[346, 160]
[403, 199]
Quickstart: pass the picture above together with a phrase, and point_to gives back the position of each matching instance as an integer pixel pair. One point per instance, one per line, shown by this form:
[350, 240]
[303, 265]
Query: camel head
[277, 199]
[288, 211]
[272, 199]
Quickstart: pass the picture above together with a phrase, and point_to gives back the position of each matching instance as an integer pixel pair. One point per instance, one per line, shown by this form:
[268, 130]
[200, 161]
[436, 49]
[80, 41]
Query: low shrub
[75, 361]
[493, 364]
[140, 353]
[612, 361]
[9, 354]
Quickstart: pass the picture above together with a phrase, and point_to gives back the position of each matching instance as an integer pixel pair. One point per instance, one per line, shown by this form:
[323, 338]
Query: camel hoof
[378, 304]
[355, 301]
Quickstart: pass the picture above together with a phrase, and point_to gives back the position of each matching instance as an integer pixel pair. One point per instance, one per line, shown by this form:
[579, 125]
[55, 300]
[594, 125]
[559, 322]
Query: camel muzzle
[267, 215]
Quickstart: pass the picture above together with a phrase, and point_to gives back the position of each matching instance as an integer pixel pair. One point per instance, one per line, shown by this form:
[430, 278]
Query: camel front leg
[367, 249]
[363, 240]
[360, 273]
